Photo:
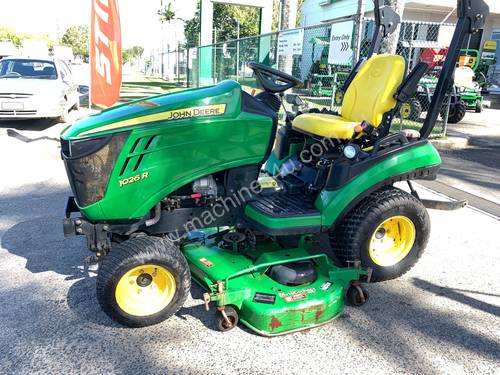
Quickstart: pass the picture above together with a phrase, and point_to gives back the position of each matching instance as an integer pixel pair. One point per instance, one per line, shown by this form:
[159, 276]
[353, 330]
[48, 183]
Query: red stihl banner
[105, 53]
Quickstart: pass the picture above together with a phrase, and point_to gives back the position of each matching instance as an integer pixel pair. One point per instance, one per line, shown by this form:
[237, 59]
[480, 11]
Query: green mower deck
[240, 279]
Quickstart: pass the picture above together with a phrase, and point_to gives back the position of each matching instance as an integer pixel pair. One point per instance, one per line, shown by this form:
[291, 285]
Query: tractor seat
[370, 95]
[323, 125]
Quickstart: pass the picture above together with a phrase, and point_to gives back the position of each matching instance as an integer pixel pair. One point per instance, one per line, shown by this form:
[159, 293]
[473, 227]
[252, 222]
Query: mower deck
[240, 279]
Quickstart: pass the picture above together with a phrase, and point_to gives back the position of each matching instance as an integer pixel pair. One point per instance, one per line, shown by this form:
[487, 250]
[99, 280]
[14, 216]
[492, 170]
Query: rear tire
[410, 110]
[479, 106]
[143, 281]
[457, 112]
[361, 234]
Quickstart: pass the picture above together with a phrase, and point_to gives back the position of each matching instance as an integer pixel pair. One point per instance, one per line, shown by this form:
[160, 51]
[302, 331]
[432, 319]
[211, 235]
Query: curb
[451, 143]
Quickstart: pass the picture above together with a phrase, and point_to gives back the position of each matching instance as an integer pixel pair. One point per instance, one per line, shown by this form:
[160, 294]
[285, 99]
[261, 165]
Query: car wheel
[76, 107]
[65, 114]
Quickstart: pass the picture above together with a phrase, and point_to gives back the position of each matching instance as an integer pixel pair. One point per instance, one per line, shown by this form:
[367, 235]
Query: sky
[139, 19]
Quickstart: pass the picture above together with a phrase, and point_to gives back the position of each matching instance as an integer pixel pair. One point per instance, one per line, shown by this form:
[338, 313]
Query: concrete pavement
[440, 318]
[475, 168]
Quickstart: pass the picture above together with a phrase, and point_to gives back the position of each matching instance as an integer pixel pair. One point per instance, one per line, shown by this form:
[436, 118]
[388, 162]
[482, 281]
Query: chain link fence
[323, 80]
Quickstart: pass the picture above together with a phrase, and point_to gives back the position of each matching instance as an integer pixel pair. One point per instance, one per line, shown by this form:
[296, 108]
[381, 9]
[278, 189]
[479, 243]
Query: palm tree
[166, 14]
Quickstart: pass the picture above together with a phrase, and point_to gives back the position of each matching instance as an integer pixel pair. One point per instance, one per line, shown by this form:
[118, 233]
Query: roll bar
[471, 18]
[386, 22]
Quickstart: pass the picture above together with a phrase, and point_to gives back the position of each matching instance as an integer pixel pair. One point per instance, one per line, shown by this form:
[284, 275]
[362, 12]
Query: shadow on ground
[35, 125]
[40, 241]
[477, 164]
[392, 317]
[66, 325]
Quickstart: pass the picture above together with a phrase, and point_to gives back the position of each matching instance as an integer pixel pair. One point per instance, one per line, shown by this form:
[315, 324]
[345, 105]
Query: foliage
[77, 37]
[130, 54]
[167, 14]
[225, 23]
[9, 34]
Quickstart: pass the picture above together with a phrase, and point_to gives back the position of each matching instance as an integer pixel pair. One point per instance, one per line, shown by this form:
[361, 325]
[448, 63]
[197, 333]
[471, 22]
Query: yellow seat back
[371, 93]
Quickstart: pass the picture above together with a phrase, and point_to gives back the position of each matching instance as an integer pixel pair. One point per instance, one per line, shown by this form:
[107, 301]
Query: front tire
[457, 112]
[143, 281]
[65, 114]
[76, 106]
[387, 231]
[479, 106]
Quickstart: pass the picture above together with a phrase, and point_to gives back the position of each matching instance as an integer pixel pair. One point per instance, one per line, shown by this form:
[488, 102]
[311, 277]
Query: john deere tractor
[204, 185]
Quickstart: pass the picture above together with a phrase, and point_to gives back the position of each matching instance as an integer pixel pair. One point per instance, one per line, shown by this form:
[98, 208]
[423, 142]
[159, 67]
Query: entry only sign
[340, 52]
[290, 42]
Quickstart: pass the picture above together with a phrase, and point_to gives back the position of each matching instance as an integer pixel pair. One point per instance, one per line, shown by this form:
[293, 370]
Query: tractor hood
[223, 99]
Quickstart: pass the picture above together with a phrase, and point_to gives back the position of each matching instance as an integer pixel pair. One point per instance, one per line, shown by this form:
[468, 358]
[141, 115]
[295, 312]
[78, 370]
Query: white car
[36, 88]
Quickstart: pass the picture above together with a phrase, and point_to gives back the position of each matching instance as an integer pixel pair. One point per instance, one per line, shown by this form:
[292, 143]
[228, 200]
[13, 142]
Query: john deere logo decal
[177, 114]
[204, 111]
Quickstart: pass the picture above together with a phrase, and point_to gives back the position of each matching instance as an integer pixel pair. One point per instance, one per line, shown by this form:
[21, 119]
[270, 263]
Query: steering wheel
[274, 80]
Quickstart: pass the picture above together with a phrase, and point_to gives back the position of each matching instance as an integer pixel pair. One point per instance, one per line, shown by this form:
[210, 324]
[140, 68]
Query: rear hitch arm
[442, 205]
[437, 205]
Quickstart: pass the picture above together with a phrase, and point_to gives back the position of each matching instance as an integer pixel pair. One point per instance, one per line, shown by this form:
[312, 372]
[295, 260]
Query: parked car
[36, 88]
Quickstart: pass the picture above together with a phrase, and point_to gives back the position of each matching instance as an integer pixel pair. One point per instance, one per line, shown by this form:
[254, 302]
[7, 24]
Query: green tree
[137, 51]
[166, 14]
[130, 54]
[8, 34]
[226, 17]
[77, 37]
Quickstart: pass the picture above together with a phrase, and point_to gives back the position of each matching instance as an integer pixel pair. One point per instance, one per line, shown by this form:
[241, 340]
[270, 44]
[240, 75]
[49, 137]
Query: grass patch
[149, 86]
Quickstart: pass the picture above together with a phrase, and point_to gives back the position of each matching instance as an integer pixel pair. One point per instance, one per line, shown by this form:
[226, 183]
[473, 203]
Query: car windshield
[27, 69]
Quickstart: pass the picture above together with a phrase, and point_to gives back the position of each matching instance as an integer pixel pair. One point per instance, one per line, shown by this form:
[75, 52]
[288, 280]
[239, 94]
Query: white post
[237, 49]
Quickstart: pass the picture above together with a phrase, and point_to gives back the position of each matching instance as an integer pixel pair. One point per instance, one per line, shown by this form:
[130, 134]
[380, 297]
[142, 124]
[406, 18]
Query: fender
[421, 162]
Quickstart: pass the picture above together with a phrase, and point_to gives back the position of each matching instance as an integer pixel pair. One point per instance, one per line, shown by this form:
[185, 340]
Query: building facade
[433, 11]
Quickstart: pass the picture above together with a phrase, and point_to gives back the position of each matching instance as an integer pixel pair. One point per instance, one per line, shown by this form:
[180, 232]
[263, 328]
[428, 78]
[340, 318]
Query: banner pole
[90, 54]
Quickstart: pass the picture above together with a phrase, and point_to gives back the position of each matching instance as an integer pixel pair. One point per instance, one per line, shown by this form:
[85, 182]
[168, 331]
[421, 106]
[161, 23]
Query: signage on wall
[290, 42]
[340, 43]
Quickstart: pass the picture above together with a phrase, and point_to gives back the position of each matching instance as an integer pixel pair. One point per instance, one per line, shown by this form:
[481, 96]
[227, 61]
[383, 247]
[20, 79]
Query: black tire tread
[459, 114]
[346, 239]
[138, 250]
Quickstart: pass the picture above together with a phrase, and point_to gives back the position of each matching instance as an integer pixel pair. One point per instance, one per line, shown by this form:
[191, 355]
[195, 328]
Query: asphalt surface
[475, 168]
[440, 318]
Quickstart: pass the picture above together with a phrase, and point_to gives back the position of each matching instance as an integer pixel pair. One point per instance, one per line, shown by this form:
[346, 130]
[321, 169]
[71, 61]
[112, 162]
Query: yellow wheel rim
[405, 110]
[145, 290]
[339, 96]
[392, 241]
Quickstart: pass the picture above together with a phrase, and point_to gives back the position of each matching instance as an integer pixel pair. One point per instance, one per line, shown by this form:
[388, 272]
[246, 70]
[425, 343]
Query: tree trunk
[288, 17]
[391, 42]
[360, 15]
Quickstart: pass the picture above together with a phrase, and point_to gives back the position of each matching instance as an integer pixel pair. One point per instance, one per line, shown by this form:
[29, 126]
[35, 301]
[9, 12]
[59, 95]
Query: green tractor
[469, 81]
[465, 94]
[202, 185]
[324, 79]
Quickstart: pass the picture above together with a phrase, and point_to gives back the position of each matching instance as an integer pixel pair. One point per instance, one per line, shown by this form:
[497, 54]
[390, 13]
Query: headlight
[89, 163]
[350, 151]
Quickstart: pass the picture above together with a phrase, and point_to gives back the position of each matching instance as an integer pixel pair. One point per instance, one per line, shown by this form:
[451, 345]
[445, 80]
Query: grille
[136, 155]
[89, 174]
[14, 96]
[14, 113]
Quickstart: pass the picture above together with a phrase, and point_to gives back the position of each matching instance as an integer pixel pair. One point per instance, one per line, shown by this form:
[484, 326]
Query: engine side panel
[160, 157]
